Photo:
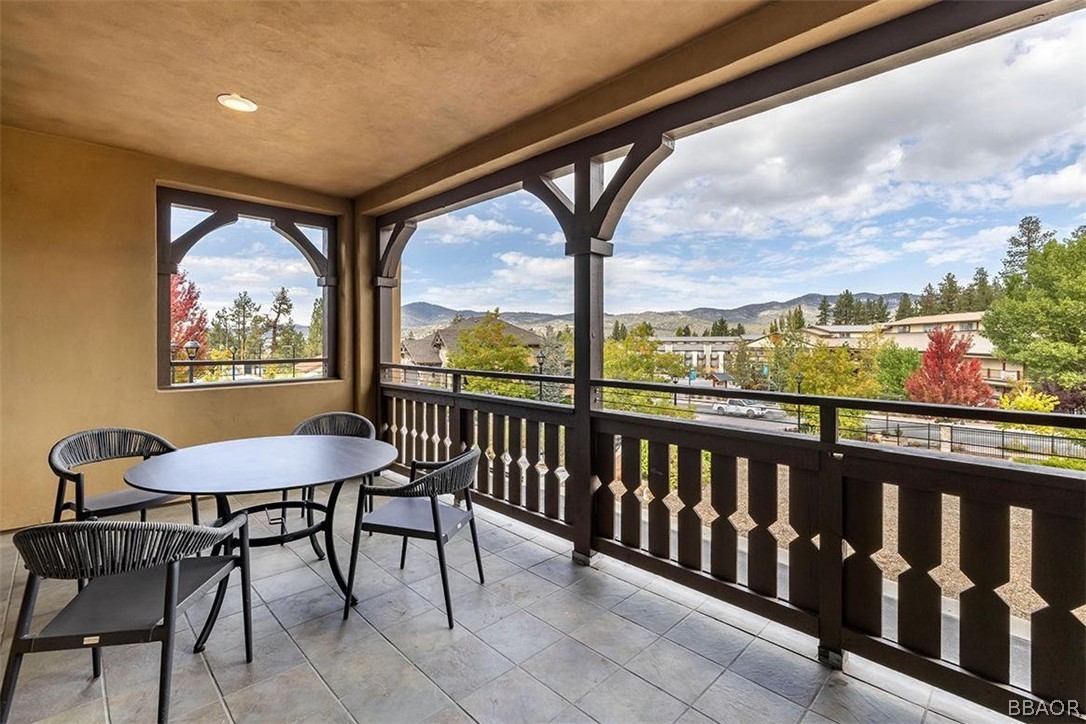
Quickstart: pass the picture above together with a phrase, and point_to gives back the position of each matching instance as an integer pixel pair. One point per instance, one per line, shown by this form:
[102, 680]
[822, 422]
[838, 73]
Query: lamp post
[174, 346]
[233, 362]
[799, 408]
[293, 357]
[191, 348]
[540, 358]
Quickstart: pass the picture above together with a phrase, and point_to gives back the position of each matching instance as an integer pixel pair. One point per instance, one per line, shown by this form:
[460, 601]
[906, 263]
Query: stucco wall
[77, 313]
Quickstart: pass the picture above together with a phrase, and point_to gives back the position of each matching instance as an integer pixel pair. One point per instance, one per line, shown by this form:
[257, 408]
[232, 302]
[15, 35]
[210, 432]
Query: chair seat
[125, 501]
[413, 517]
[134, 601]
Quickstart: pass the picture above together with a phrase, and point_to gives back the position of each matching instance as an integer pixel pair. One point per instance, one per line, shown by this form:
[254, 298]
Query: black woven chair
[95, 446]
[346, 424]
[142, 575]
[417, 513]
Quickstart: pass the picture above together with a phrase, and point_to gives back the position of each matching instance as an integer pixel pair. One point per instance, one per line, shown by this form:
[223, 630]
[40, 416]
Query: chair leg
[403, 553]
[441, 558]
[195, 510]
[474, 537]
[96, 652]
[358, 509]
[169, 624]
[143, 515]
[15, 656]
[309, 494]
[212, 616]
[11, 674]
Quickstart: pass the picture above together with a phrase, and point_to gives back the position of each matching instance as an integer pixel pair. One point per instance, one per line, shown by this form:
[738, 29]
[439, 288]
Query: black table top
[261, 464]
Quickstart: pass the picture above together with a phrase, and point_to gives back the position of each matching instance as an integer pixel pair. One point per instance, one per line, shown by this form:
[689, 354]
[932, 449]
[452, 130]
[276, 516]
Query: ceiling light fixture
[237, 103]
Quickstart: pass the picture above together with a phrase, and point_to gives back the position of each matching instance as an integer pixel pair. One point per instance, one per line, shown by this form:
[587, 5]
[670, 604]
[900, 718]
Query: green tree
[980, 293]
[878, 312]
[825, 311]
[314, 343]
[950, 293]
[1041, 319]
[684, 331]
[281, 309]
[488, 347]
[928, 303]
[556, 359]
[904, 308]
[1026, 399]
[740, 365]
[238, 326]
[637, 358]
[895, 364]
[836, 372]
[844, 309]
[1030, 237]
[739, 330]
[719, 328]
[618, 331]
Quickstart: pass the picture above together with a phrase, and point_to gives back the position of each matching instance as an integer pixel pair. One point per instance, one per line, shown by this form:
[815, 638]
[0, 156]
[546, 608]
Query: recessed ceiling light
[237, 103]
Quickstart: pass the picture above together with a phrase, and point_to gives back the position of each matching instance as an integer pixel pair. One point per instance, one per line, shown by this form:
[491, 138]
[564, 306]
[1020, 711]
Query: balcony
[544, 640]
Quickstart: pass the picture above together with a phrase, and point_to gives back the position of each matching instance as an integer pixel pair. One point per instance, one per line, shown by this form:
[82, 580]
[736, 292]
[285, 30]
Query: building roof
[421, 351]
[698, 340]
[448, 337]
[841, 328]
[723, 377]
[939, 319]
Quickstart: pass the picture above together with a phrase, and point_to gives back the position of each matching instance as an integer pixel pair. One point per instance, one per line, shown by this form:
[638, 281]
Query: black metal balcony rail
[791, 526]
[262, 362]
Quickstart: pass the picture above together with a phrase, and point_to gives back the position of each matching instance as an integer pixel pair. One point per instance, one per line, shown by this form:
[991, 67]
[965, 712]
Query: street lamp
[293, 359]
[799, 408]
[540, 358]
[174, 346]
[191, 348]
[233, 362]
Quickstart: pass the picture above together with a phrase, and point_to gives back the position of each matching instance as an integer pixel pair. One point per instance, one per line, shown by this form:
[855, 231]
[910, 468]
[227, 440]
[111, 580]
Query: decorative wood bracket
[391, 242]
[589, 228]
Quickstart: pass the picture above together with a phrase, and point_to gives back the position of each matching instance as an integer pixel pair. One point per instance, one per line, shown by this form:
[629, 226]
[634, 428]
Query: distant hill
[422, 318]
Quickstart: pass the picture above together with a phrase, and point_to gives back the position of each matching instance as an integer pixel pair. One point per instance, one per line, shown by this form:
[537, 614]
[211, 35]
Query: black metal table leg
[330, 544]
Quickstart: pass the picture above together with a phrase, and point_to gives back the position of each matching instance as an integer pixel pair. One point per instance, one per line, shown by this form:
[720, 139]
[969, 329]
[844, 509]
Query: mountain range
[422, 318]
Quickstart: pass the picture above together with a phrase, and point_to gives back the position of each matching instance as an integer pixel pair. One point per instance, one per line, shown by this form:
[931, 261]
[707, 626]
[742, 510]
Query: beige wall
[77, 313]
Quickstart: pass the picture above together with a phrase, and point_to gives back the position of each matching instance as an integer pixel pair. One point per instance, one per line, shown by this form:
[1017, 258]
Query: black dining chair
[416, 512]
[141, 576]
[100, 445]
[346, 424]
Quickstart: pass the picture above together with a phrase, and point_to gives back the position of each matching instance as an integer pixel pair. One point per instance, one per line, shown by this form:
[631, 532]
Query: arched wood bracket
[589, 226]
[391, 241]
[226, 211]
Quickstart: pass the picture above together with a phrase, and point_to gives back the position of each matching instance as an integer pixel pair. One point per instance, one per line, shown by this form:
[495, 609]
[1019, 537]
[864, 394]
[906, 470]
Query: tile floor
[544, 640]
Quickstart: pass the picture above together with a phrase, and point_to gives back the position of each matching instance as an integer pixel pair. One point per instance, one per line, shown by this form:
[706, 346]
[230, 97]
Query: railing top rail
[524, 376]
[240, 361]
[989, 414]
[440, 392]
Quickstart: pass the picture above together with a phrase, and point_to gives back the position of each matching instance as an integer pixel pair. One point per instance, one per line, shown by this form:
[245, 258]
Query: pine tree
[720, 328]
[879, 313]
[929, 301]
[950, 293]
[844, 311]
[618, 331]
[980, 293]
[739, 330]
[314, 344]
[904, 308]
[824, 311]
[281, 307]
[1030, 236]
[796, 319]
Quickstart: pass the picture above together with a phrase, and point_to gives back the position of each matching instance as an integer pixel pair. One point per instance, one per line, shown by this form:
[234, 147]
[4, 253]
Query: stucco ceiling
[352, 95]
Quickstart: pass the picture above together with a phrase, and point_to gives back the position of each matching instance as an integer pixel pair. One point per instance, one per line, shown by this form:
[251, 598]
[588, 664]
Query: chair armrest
[230, 527]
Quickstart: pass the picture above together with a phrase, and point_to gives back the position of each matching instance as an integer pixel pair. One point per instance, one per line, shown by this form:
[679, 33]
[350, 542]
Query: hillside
[422, 318]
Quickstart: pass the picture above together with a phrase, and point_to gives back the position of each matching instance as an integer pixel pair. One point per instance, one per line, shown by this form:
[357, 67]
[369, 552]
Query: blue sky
[880, 186]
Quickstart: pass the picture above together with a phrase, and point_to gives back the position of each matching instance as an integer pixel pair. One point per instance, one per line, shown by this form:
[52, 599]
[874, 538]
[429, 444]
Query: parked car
[748, 408]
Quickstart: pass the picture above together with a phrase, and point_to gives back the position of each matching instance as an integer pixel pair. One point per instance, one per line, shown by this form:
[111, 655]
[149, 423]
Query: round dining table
[266, 465]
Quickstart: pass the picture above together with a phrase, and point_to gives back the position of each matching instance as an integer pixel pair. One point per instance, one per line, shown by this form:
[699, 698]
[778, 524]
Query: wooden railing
[703, 505]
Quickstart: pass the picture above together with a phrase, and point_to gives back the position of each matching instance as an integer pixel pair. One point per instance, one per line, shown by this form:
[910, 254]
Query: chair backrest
[90, 549]
[457, 475]
[107, 443]
[346, 424]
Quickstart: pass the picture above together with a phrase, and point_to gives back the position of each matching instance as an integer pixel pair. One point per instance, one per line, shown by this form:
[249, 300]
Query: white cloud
[941, 247]
[465, 229]
[1065, 186]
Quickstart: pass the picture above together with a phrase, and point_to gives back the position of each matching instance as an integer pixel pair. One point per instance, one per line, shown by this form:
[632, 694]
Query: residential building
[912, 333]
[434, 350]
[700, 353]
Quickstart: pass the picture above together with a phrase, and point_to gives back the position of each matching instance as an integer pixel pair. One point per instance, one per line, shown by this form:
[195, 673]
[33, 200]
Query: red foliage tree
[945, 375]
[188, 318]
